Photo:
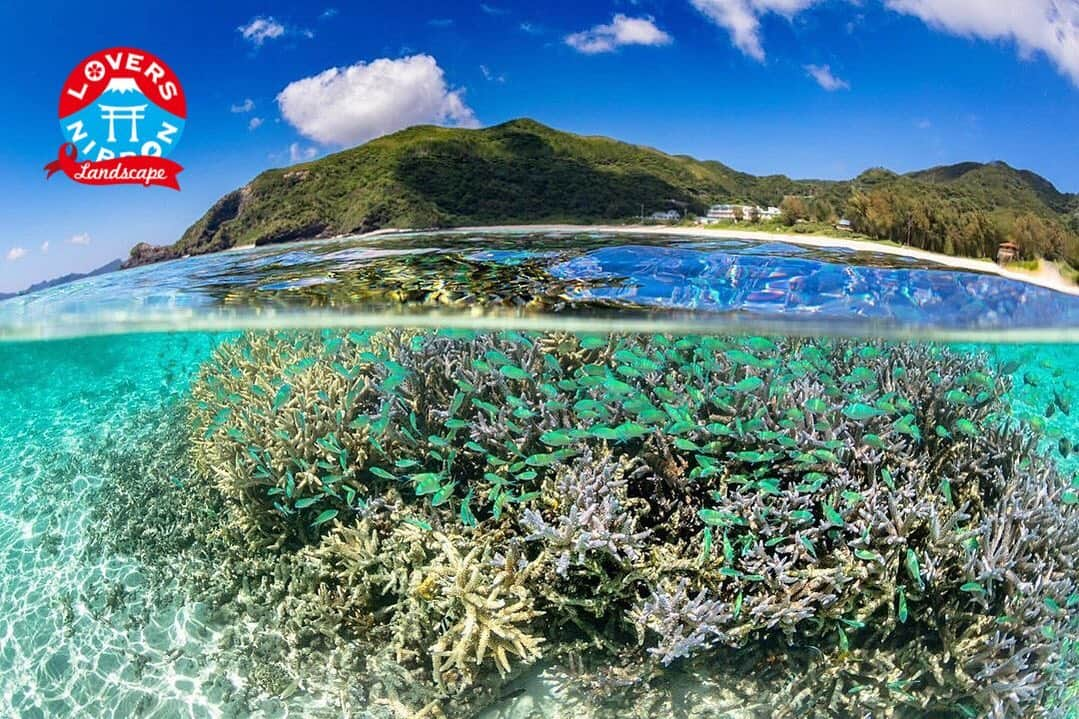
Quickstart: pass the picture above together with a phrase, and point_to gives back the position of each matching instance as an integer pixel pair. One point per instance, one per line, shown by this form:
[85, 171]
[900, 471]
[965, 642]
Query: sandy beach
[1047, 276]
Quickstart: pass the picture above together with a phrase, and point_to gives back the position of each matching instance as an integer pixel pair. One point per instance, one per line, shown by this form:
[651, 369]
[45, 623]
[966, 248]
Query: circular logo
[122, 102]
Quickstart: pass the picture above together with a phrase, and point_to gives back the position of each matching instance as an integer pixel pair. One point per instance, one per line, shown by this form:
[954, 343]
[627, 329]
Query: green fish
[514, 372]
[748, 384]
[833, 516]
[558, 437]
[324, 517]
[860, 412]
[946, 490]
[281, 397]
[966, 427]
[873, 440]
[957, 396]
[914, 569]
[743, 358]
[497, 358]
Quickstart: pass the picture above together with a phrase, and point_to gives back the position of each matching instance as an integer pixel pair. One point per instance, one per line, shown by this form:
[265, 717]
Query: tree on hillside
[1038, 237]
[820, 210]
[794, 209]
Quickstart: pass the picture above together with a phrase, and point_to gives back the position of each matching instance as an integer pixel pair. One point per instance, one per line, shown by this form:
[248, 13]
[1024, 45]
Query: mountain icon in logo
[121, 86]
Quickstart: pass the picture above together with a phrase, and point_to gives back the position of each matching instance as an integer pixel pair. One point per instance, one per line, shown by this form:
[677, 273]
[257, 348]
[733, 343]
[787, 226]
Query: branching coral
[707, 494]
[685, 624]
[591, 513]
[488, 610]
[277, 428]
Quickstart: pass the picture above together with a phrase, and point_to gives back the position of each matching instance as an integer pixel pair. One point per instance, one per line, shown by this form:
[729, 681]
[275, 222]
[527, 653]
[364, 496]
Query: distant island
[523, 172]
[65, 279]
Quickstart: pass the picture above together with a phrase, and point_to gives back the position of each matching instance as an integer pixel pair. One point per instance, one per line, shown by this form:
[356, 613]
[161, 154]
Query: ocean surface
[304, 480]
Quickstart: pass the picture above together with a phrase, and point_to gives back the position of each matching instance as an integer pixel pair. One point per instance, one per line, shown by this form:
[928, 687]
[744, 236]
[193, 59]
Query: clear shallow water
[623, 278]
[115, 600]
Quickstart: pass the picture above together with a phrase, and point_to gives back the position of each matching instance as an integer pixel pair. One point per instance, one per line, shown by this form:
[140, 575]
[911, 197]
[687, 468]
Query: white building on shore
[666, 216]
[735, 213]
[721, 213]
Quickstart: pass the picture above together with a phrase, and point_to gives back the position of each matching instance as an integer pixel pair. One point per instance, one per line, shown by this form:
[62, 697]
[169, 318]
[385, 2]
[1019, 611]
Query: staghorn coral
[685, 625]
[591, 513]
[293, 446]
[868, 505]
[489, 609]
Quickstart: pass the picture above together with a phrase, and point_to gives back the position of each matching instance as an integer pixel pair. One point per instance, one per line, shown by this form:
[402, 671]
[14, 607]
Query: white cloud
[492, 10]
[742, 18]
[328, 13]
[261, 29]
[491, 76]
[350, 105]
[45, 247]
[246, 106]
[254, 123]
[622, 30]
[80, 239]
[440, 22]
[1048, 26]
[296, 153]
[531, 28]
[16, 253]
[824, 77]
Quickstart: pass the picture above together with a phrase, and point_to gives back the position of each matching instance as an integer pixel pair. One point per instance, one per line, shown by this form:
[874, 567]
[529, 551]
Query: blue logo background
[133, 116]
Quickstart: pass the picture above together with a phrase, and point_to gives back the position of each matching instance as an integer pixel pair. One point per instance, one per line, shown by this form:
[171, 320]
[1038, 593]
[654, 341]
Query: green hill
[999, 184]
[522, 172]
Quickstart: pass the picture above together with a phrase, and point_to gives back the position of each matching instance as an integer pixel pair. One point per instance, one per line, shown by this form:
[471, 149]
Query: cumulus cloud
[16, 253]
[824, 77]
[246, 106]
[296, 153]
[261, 29]
[45, 247]
[254, 123]
[622, 30]
[1047, 26]
[1035, 26]
[350, 105]
[741, 18]
[328, 13]
[531, 28]
[80, 239]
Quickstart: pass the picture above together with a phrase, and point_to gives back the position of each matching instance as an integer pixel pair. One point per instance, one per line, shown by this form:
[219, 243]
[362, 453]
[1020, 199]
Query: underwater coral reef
[860, 526]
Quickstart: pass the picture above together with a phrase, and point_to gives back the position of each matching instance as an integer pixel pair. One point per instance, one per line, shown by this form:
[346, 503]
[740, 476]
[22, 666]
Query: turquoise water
[131, 585]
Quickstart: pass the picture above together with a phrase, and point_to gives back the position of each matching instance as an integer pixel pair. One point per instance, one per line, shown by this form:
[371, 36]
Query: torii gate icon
[112, 113]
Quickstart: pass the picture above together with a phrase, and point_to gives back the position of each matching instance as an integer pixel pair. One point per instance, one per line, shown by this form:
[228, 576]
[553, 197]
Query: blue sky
[809, 88]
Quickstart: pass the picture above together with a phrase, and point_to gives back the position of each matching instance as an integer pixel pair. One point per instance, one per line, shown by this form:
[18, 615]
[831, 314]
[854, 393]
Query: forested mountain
[524, 172]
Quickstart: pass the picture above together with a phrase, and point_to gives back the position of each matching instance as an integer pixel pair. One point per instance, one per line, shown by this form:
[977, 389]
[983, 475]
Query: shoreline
[1047, 279]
